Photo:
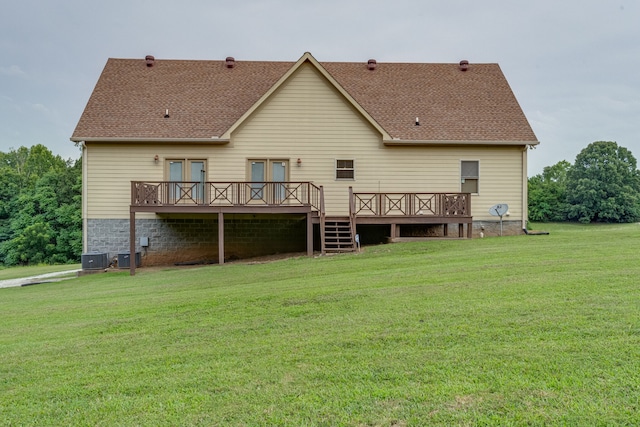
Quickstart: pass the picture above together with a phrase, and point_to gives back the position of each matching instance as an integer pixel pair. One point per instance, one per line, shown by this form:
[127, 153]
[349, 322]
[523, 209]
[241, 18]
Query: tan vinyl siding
[112, 167]
[308, 118]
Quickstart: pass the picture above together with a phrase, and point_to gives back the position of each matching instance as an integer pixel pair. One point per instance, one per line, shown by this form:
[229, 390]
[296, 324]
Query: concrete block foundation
[194, 239]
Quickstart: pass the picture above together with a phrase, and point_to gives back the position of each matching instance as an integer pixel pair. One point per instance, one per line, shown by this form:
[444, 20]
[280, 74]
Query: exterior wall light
[299, 162]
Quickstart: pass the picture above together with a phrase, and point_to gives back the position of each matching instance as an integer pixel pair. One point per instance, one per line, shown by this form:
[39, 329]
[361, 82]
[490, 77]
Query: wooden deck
[236, 197]
[397, 209]
[225, 197]
[391, 208]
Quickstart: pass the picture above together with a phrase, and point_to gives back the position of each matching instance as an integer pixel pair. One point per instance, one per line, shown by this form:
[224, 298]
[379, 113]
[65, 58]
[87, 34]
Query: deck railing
[169, 193]
[411, 204]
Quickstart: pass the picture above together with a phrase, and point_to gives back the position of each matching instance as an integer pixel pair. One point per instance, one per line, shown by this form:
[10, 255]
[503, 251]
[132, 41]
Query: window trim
[186, 170]
[274, 193]
[343, 169]
[186, 176]
[476, 177]
[268, 169]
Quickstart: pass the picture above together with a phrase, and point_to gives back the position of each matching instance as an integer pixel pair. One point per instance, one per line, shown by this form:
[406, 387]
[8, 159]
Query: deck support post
[445, 230]
[132, 243]
[470, 230]
[220, 238]
[395, 231]
[461, 230]
[309, 235]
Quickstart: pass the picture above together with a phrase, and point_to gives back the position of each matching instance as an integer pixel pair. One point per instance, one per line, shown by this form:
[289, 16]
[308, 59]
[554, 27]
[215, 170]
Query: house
[196, 161]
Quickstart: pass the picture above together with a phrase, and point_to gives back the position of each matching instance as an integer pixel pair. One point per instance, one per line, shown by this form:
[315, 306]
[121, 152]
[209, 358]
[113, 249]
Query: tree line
[40, 207]
[603, 185]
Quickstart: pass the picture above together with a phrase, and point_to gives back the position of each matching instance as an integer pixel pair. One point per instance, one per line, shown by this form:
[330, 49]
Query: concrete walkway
[41, 278]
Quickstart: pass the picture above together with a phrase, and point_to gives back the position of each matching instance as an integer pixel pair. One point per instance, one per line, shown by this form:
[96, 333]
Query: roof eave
[396, 141]
[213, 140]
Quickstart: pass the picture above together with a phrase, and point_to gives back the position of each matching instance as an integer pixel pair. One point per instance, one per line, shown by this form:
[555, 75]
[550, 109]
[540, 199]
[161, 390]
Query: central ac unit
[95, 261]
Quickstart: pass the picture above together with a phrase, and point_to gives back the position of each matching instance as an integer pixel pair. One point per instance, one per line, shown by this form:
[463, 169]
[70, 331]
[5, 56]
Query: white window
[345, 169]
[469, 176]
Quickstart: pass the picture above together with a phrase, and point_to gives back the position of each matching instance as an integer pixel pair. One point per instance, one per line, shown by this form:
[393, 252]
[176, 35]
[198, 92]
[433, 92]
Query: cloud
[41, 108]
[571, 64]
[12, 70]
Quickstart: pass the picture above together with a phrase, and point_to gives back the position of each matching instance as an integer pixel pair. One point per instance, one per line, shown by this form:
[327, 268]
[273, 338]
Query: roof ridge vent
[464, 65]
[150, 60]
[230, 62]
[372, 64]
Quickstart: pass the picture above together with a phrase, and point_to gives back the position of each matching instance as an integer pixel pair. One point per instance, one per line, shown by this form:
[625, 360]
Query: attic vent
[150, 60]
[464, 65]
[372, 64]
[230, 61]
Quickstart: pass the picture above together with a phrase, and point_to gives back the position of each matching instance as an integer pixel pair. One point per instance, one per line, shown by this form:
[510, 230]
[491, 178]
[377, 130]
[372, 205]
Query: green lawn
[526, 330]
[18, 272]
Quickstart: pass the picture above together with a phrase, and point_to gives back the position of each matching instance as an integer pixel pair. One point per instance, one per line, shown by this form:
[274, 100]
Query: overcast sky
[574, 65]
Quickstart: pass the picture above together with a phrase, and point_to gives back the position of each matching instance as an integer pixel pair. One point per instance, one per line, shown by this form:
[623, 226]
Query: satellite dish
[499, 209]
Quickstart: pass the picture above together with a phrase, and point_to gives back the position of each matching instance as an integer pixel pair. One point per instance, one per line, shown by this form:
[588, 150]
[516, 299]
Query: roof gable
[306, 58]
[208, 100]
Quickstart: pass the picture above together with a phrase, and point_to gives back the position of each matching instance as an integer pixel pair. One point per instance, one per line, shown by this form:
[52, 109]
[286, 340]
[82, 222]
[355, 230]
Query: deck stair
[338, 235]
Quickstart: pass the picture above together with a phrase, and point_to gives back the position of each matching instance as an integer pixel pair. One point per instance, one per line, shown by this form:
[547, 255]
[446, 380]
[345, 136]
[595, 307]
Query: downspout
[525, 189]
[84, 197]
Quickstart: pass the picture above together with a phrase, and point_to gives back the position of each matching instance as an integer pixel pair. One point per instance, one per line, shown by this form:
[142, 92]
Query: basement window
[345, 169]
[469, 176]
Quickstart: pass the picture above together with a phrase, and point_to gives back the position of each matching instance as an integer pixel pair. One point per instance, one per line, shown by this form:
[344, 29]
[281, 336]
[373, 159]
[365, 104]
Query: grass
[526, 330]
[18, 272]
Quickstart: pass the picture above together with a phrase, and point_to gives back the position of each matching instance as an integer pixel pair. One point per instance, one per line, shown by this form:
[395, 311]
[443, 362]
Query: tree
[548, 193]
[32, 163]
[604, 185]
[40, 207]
[33, 245]
[9, 189]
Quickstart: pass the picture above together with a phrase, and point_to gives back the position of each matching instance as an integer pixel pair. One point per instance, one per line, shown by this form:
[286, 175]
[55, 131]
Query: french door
[187, 179]
[264, 172]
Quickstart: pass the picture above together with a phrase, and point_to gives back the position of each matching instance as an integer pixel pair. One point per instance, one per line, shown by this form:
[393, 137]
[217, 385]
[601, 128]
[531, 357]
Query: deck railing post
[322, 221]
[352, 202]
[467, 198]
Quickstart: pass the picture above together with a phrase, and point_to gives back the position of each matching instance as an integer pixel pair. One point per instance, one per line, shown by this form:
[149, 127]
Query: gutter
[212, 140]
[456, 142]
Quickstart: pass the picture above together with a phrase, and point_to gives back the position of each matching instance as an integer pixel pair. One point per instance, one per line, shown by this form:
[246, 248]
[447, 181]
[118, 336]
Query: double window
[469, 176]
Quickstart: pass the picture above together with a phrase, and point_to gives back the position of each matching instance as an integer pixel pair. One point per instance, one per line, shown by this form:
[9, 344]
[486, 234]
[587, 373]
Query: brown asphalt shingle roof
[205, 98]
